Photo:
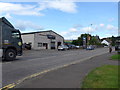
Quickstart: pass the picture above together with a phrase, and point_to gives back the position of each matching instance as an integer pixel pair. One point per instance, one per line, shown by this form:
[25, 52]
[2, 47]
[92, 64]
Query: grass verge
[115, 57]
[102, 77]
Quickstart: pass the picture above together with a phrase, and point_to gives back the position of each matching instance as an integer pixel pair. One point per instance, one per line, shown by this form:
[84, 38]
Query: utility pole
[88, 37]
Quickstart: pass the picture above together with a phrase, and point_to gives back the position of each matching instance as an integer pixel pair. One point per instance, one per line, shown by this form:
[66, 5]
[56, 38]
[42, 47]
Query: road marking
[46, 71]
[69, 54]
[6, 63]
[8, 87]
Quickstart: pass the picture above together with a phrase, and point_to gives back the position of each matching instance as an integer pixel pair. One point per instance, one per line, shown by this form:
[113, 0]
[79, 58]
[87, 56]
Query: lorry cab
[11, 40]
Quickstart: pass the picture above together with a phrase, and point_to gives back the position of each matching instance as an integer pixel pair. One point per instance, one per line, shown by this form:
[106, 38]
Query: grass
[102, 77]
[116, 57]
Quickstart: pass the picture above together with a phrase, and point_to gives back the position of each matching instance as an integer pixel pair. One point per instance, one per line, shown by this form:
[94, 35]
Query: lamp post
[88, 37]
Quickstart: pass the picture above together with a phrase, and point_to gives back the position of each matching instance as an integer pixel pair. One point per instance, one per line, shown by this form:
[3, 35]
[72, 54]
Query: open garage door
[52, 45]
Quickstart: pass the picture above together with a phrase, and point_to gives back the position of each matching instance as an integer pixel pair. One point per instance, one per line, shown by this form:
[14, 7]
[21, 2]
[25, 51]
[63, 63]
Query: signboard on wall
[51, 37]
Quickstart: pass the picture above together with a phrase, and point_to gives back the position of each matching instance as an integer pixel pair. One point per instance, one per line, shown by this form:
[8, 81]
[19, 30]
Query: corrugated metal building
[43, 39]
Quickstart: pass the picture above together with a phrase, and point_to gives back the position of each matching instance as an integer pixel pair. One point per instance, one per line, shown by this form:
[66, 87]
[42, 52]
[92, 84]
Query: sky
[69, 19]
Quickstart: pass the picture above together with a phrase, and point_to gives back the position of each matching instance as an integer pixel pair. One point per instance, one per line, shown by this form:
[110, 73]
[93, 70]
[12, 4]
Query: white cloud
[18, 9]
[111, 27]
[69, 7]
[8, 16]
[73, 30]
[78, 26]
[111, 19]
[102, 25]
[27, 9]
[87, 29]
[101, 29]
[64, 33]
[61, 0]
[63, 6]
[24, 25]
[72, 33]
[72, 37]
[108, 35]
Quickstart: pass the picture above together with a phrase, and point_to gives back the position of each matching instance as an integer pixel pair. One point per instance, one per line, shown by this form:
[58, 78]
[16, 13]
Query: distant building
[105, 42]
[43, 39]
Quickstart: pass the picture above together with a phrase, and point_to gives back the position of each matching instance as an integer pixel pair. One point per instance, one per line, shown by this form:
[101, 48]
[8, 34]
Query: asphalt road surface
[36, 61]
[71, 76]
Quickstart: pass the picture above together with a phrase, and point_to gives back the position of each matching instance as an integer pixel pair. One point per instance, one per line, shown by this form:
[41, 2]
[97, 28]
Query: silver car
[63, 47]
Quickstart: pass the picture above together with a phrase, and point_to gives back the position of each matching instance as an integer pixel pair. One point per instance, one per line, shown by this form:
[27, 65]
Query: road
[36, 61]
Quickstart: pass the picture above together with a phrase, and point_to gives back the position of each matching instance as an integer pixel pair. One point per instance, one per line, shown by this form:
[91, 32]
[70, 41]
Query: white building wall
[105, 42]
[41, 39]
[37, 40]
[58, 38]
[28, 38]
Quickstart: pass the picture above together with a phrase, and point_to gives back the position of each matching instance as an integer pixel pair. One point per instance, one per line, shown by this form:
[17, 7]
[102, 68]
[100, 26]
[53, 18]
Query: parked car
[26, 46]
[69, 46]
[72, 46]
[90, 47]
[77, 47]
[63, 47]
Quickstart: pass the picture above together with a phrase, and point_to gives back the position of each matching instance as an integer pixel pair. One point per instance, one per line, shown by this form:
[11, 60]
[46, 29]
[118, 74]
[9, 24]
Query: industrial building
[43, 39]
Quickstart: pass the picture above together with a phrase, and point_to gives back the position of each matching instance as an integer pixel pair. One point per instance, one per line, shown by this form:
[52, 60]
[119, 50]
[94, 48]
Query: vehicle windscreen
[15, 34]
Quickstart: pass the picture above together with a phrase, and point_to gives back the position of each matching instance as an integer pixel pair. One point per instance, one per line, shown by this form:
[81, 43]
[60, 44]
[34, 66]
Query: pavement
[70, 76]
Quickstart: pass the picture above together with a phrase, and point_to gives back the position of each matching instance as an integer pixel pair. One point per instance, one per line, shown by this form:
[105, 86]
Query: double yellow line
[40, 73]
[8, 87]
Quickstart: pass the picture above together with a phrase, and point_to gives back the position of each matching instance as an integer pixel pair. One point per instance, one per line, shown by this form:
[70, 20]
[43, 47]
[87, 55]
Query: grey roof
[41, 32]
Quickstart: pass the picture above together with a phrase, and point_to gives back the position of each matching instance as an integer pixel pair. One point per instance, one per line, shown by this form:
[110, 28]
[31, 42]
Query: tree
[79, 41]
[75, 42]
[93, 41]
[113, 39]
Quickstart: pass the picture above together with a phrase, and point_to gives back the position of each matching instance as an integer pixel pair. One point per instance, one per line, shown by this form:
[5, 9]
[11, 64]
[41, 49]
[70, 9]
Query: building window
[44, 44]
[39, 44]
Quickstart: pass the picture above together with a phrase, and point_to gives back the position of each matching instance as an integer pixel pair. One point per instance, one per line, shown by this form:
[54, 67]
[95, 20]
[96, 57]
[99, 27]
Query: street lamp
[88, 38]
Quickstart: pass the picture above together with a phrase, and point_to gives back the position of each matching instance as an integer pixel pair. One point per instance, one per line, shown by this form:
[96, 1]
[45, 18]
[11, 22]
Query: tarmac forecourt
[12, 85]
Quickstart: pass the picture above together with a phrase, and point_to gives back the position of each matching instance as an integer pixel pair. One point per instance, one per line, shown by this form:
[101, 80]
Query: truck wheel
[10, 54]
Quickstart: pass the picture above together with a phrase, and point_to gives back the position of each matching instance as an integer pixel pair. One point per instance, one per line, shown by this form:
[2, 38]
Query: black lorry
[10, 40]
